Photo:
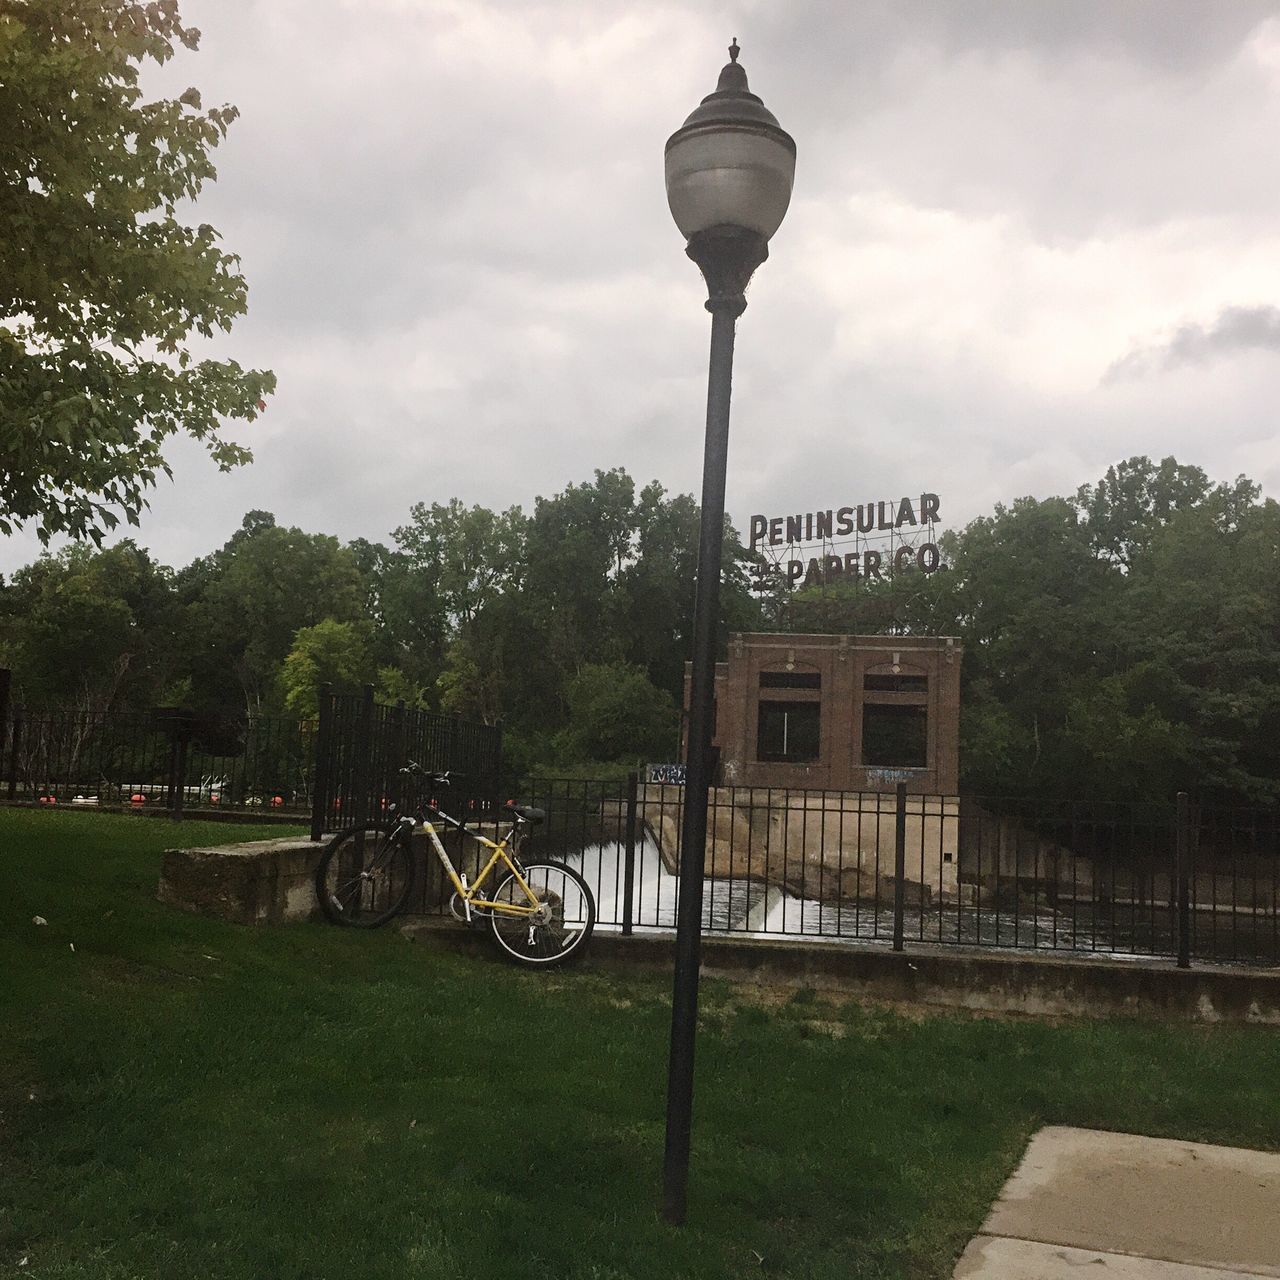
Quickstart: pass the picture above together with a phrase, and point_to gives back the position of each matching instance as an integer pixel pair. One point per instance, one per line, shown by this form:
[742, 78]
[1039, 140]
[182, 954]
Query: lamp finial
[734, 50]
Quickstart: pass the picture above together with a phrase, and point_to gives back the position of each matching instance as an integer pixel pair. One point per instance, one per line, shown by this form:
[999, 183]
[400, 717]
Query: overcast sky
[1026, 240]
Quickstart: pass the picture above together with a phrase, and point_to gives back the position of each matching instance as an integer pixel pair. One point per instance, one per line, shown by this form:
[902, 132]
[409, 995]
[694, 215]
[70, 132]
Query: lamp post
[729, 170]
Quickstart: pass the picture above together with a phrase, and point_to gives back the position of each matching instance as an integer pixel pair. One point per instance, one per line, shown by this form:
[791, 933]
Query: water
[726, 904]
[749, 909]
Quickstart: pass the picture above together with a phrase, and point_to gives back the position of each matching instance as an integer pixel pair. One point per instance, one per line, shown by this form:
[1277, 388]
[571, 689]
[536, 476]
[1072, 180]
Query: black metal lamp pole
[729, 171]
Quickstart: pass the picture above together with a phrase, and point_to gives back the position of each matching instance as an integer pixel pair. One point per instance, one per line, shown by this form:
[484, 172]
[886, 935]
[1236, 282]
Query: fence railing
[1177, 882]
[149, 760]
[337, 768]
[362, 746]
[1172, 882]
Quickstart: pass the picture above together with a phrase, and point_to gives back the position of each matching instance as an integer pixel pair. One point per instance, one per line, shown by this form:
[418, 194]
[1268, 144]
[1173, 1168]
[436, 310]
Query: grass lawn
[183, 1098]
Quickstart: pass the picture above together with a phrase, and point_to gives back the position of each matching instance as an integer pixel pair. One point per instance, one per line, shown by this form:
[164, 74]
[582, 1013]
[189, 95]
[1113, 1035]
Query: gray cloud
[1235, 330]
[462, 268]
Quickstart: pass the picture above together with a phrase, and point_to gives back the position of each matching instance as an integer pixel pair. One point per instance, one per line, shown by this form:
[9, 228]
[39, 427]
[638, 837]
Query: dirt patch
[819, 1000]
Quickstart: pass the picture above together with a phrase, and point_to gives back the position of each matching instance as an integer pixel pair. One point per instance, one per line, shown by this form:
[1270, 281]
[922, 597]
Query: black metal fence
[150, 761]
[363, 744]
[336, 768]
[1163, 881]
[1183, 882]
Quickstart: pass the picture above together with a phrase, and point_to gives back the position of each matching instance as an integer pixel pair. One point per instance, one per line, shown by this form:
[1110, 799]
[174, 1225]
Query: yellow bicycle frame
[467, 892]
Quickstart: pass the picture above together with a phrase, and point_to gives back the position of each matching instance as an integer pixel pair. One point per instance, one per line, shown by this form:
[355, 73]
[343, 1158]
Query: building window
[791, 680]
[896, 684]
[895, 736]
[788, 732]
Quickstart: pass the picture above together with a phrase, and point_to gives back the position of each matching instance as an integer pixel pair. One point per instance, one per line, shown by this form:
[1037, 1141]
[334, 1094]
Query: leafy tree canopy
[1121, 643]
[102, 285]
[616, 713]
[331, 652]
[84, 627]
[251, 598]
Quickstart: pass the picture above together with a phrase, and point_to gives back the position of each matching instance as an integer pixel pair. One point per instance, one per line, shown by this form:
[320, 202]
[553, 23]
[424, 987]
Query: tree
[617, 714]
[907, 603]
[331, 652]
[468, 554]
[578, 541]
[102, 286]
[249, 600]
[656, 587]
[93, 630]
[1202, 617]
[1128, 507]
[1035, 606]
[402, 602]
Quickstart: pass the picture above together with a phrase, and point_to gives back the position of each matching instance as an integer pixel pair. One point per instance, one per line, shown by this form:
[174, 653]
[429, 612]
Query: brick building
[855, 713]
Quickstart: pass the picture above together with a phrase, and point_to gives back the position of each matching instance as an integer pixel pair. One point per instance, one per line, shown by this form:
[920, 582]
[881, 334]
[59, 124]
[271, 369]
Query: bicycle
[541, 913]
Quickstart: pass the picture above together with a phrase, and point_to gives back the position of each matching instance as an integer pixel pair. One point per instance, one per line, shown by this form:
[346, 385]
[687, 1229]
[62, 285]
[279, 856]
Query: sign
[891, 777]
[666, 773]
[870, 541]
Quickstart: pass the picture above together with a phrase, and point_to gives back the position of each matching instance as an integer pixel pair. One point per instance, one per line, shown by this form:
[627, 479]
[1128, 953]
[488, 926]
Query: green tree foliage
[249, 600]
[657, 585]
[908, 603]
[1128, 507]
[403, 604]
[578, 543]
[602, 578]
[93, 629]
[335, 653]
[468, 555]
[102, 285]
[617, 714]
[1201, 636]
[1123, 643]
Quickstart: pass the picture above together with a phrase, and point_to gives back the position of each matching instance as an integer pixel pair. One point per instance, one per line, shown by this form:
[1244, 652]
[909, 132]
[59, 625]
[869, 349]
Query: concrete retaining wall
[833, 846]
[953, 979]
[256, 882]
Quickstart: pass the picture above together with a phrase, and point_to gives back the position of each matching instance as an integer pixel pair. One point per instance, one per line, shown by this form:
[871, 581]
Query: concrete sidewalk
[1083, 1202]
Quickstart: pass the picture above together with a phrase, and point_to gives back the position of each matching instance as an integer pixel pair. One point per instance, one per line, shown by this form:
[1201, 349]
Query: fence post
[1183, 855]
[363, 764]
[181, 744]
[629, 866]
[399, 751]
[899, 863]
[451, 740]
[494, 765]
[14, 738]
[171, 790]
[322, 786]
[6, 686]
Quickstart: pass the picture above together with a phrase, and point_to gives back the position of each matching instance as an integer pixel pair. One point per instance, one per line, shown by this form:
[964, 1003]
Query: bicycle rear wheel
[562, 924]
[365, 876]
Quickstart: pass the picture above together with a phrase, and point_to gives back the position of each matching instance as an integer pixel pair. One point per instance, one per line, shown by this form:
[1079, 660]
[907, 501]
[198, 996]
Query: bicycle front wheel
[559, 924]
[365, 876]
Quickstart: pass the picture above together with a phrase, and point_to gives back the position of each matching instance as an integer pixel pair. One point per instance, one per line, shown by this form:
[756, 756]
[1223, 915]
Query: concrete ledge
[1161, 1199]
[954, 978]
[1130, 1207]
[255, 882]
[990, 1258]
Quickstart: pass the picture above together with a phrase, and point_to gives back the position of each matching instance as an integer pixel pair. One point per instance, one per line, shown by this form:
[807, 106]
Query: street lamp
[729, 171]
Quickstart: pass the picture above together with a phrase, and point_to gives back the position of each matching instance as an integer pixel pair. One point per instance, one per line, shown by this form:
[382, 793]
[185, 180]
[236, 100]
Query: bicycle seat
[527, 813]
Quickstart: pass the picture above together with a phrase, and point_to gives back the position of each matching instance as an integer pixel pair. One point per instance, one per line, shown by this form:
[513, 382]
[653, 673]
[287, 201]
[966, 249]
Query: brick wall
[906, 672]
